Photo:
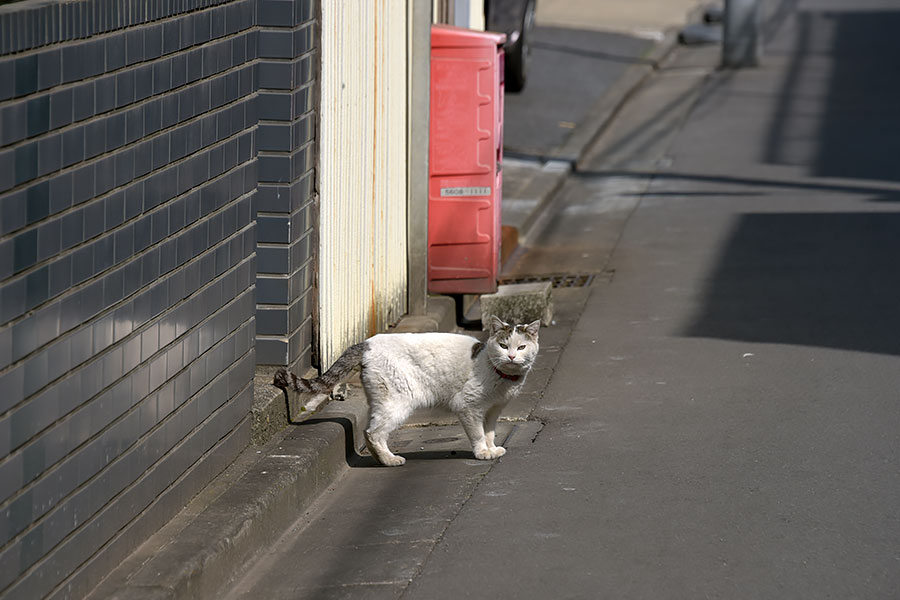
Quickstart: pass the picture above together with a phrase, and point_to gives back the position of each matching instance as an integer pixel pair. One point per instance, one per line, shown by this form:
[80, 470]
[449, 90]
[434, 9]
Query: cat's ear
[532, 328]
[497, 325]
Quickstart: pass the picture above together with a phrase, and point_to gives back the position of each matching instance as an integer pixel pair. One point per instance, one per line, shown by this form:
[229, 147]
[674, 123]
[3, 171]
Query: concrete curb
[246, 508]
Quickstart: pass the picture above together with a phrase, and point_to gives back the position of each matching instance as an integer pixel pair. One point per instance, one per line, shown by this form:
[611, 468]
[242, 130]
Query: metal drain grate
[565, 280]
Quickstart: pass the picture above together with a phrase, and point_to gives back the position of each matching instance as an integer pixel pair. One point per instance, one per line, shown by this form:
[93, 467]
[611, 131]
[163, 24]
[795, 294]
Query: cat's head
[512, 348]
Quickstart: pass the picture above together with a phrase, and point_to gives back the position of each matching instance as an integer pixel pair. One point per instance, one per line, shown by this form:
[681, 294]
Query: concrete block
[519, 303]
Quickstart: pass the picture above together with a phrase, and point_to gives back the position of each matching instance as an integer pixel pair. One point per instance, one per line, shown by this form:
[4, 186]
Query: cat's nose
[512, 355]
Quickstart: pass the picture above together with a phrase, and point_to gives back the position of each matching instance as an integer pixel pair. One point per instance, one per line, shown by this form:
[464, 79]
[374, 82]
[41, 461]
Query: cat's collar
[505, 376]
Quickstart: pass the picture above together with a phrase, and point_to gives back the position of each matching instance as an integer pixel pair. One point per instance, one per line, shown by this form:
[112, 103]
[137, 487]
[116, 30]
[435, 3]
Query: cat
[402, 372]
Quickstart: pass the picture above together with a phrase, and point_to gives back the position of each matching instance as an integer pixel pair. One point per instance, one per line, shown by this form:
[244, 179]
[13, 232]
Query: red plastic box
[465, 149]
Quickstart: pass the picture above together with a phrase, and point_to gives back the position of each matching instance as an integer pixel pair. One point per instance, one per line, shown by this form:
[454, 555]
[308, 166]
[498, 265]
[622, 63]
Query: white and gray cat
[403, 372]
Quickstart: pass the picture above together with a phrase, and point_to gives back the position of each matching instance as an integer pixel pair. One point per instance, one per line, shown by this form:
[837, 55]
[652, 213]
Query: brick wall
[128, 178]
[287, 95]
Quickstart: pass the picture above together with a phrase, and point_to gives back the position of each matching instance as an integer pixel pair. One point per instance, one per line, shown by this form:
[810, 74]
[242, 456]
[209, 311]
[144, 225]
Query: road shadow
[857, 134]
[813, 279]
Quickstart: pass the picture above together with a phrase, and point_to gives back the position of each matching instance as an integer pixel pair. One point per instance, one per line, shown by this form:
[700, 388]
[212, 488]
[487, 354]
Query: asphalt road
[718, 413]
[569, 70]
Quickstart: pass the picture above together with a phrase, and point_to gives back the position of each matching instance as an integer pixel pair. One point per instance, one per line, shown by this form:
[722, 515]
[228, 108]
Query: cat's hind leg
[382, 421]
[490, 426]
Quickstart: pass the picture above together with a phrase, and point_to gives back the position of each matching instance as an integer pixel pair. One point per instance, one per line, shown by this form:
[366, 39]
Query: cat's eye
[522, 347]
[504, 346]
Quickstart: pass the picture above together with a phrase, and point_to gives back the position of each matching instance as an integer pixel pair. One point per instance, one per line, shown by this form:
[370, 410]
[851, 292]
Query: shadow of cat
[365, 461]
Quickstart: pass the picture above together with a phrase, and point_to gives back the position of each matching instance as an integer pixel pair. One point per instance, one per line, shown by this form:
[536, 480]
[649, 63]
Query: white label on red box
[466, 191]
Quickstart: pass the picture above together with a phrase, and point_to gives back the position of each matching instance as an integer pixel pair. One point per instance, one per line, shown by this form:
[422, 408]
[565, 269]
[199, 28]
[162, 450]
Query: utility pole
[742, 42]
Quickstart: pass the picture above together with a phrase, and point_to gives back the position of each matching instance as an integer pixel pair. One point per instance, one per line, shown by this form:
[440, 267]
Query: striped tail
[323, 384]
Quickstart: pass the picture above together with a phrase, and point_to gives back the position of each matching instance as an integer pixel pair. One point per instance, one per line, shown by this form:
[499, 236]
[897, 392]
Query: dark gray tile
[25, 250]
[114, 209]
[304, 39]
[13, 209]
[26, 75]
[134, 124]
[124, 88]
[186, 104]
[83, 101]
[239, 50]
[49, 154]
[217, 21]
[272, 290]
[115, 130]
[95, 138]
[113, 286]
[169, 108]
[115, 51]
[179, 70]
[60, 192]
[134, 46]
[26, 166]
[38, 201]
[37, 287]
[275, 13]
[153, 41]
[7, 73]
[61, 106]
[72, 228]
[60, 275]
[95, 58]
[272, 321]
[82, 264]
[49, 68]
[124, 164]
[195, 65]
[273, 259]
[162, 76]
[274, 137]
[143, 82]
[276, 43]
[104, 175]
[38, 115]
[274, 106]
[105, 94]
[152, 117]
[103, 253]
[275, 75]
[201, 26]
[273, 168]
[49, 239]
[134, 200]
[187, 32]
[83, 181]
[13, 122]
[131, 351]
[171, 36]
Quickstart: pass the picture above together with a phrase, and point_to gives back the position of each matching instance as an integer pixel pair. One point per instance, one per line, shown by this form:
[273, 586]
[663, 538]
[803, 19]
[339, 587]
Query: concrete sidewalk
[247, 507]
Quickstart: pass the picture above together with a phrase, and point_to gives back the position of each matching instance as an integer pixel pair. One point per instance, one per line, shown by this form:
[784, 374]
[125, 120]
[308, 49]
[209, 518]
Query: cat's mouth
[510, 367]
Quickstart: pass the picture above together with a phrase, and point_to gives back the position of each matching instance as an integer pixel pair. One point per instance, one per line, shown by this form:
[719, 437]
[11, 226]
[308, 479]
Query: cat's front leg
[474, 426]
[490, 426]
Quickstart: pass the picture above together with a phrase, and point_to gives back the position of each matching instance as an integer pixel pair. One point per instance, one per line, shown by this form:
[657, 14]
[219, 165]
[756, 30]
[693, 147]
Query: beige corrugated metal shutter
[362, 177]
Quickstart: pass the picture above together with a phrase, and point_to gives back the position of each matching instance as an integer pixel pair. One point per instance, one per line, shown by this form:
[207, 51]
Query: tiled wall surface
[287, 94]
[128, 189]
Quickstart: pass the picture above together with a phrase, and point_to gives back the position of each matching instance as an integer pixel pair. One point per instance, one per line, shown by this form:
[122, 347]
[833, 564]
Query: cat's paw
[490, 453]
[392, 461]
